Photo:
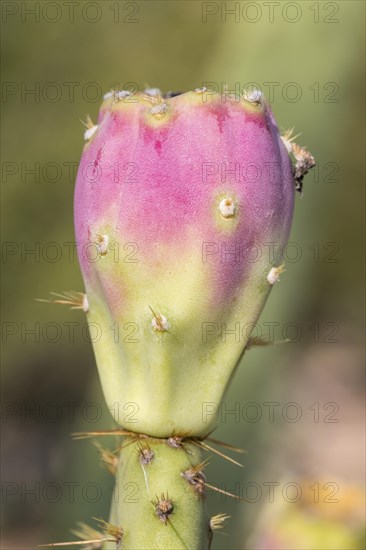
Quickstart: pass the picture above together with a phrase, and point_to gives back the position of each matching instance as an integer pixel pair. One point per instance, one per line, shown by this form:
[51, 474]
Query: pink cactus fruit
[176, 201]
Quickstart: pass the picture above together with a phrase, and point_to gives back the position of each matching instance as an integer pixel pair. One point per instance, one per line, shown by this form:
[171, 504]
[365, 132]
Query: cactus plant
[176, 197]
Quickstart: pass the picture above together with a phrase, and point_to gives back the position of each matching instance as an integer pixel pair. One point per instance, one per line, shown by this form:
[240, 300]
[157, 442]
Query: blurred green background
[311, 55]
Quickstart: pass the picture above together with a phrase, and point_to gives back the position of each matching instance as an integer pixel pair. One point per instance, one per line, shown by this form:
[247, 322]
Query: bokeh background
[310, 57]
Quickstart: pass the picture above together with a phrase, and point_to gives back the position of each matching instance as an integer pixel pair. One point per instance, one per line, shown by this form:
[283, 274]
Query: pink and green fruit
[176, 201]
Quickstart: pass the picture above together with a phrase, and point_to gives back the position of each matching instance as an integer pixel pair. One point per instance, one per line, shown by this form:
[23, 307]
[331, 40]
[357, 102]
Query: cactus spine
[166, 508]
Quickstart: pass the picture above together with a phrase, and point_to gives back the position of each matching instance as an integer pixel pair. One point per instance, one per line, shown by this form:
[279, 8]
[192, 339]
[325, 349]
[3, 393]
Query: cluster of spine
[159, 496]
[173, 207]
[166, 508]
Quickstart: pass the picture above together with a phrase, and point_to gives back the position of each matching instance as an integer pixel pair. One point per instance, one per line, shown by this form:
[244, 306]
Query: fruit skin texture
[180, 197]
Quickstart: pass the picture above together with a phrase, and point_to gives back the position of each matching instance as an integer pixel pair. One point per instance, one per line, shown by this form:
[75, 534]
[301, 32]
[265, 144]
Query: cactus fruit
[178, 196]
[183, 205]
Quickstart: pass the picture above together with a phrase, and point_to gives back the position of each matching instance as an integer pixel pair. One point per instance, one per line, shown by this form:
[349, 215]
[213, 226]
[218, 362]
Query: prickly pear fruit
[177, 201]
